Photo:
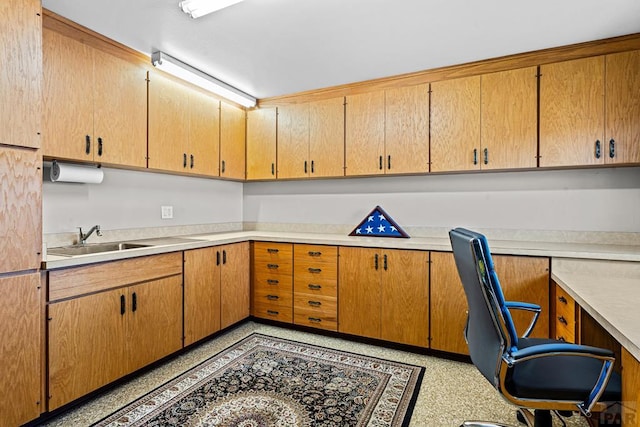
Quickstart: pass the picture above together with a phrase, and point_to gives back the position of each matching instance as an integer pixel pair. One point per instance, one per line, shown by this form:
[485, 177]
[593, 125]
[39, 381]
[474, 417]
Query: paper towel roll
[74, 173]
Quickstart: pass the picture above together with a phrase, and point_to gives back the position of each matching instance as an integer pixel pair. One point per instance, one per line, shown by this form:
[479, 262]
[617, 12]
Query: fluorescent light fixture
[198, 8]
[186, 72]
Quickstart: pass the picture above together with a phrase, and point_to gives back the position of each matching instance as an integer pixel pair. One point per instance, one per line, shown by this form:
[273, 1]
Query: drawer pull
[273, 313]
[273, 251]
[562, 320]
[315, 253]
[314, 320]
[273, 281]
[314, 303]
[314, 286]
[273, 297]
[272, 266]
[562, 299]
[315, 270]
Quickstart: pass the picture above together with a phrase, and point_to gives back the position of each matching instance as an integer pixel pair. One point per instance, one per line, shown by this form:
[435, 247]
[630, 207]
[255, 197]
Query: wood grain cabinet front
[384, 294]
[95, 104]
[233, 131]
[272, 272]
[315, 286]
[107, 320]
[261, 144]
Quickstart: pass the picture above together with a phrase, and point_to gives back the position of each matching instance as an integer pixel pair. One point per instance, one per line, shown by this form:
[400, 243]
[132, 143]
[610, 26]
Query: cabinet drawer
[565, 305]
[316, 304]
[565, 333]
[267, 310]
[316, 286]
[265, 281]
[275, 297]
[328, 321]
[314, 272]
[265, 253]
[315, 254]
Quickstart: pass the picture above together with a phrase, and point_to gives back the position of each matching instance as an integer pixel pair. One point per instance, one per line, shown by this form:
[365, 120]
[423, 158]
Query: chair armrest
[566, 349]
[535, 308]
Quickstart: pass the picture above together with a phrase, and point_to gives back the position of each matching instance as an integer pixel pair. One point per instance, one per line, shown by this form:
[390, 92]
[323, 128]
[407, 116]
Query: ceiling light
[186, 72]
[198, 8]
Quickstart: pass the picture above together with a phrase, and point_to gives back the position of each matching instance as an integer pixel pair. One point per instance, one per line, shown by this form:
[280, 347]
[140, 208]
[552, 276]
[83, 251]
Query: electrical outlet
[166, 212]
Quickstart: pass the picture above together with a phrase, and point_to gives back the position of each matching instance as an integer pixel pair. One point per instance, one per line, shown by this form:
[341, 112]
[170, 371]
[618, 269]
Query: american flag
[378, 224]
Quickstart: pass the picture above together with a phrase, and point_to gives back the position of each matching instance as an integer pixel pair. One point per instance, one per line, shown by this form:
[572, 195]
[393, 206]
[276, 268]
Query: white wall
[578, 200]
[131, 199]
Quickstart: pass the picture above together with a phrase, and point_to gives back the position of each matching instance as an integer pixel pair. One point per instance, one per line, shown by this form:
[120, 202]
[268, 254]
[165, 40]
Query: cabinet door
[359, 291]
[21, 209]
[630, 388]
[68, 97]
[261, 144]
[622, 127]
[407, 129]
[326, 138]
[168, 124]
[455, 125]
[86, 345]
[572, 112]
[120, 111]
[232, 141]
[293, 141]
[405, 297]
[154, 323]
[201, 293]
[364, 137]
[509, 138]
[21, 77]
[204, 134]
[20, 361]
[235, 284]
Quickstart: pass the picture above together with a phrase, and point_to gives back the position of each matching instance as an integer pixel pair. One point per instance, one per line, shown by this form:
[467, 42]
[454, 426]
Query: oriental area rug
[263, 381]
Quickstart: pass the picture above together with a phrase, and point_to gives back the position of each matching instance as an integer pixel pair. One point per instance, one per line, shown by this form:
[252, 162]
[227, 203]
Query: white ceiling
[278, 47]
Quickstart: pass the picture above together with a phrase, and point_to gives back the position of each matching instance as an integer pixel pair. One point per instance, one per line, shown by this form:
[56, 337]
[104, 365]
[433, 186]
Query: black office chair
[536, 374]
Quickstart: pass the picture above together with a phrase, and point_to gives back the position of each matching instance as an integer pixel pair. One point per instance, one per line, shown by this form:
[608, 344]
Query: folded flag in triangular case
[378, 224]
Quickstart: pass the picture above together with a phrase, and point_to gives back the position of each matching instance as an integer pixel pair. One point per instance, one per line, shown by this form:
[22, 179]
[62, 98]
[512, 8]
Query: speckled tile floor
[451, 392]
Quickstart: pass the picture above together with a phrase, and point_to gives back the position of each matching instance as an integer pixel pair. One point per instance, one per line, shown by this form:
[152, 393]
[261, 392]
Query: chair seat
[559, 377]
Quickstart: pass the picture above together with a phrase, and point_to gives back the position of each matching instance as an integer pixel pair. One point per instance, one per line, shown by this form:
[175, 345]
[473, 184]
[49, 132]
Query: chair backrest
[486, 332]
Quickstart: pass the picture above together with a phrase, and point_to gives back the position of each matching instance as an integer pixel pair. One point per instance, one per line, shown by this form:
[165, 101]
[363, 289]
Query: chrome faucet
[84, 237]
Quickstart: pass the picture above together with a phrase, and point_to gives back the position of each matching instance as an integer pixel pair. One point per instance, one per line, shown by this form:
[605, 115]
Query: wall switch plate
[166, 212]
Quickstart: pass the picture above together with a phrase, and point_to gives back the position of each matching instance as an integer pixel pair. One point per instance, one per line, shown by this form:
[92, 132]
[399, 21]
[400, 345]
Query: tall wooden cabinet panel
[272, 275]
[20, 352]
[204, 134]
[522, 279]
[233, 122]
[572, 112]
[622, 106]
[94, 104]
[407, 129]
[326, 138]
[509, 117]
[261, 144]
[20, 79]
[383, 294]
[201, 294]
[293, 141]
[364, 135]
[235, 283]
[630, 389]
[21, 209]
[455, 124]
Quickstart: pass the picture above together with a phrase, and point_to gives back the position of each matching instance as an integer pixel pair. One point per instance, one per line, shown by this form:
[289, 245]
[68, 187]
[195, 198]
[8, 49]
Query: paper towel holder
[75, 173]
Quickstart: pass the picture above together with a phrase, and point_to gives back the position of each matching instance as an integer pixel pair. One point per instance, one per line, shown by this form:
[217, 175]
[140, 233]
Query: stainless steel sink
[94, 248]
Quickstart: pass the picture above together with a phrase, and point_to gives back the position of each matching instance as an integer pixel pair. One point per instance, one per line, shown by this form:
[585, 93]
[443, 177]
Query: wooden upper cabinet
[622, 106]
[293, 141]
[326, 138]
[94, 104]
[21, 76]
[233, 122]
[407, 129]
[21, 209]
[364, 137]
[509, 119]
[168, 124]
[204, 134]
[572, 113]
[455, 125]
[261, 144]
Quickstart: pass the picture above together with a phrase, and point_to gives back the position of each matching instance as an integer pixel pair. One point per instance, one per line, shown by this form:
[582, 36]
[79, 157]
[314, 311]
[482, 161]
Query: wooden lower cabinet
[523, 279]
[20, 366]
[384, 294]
[235, 283]
[112, 326]
[272, 276]
[630, 390]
